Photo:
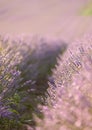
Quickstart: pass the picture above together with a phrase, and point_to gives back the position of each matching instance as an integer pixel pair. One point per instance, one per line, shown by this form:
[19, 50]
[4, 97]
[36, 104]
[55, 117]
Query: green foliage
[87, 10]
[9, 124]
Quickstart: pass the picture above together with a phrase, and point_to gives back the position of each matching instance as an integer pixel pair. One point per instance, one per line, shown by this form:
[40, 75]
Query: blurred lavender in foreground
[70, 104]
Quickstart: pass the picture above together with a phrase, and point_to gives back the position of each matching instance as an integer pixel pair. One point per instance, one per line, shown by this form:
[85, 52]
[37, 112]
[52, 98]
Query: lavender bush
[70, 103]
[25, 65]
[9, 82]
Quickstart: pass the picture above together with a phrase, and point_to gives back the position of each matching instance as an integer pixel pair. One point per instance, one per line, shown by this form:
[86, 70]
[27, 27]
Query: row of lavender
[70, 103]
[25, 65]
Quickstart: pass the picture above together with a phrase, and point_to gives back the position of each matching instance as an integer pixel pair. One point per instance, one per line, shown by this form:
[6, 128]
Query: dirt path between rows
[48, 18]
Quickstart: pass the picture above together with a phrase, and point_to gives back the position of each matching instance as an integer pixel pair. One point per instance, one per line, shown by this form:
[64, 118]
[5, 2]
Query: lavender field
[45, 65]
[45, 84]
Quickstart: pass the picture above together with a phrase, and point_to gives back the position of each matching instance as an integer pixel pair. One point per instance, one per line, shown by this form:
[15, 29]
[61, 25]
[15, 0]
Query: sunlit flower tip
[78, 123]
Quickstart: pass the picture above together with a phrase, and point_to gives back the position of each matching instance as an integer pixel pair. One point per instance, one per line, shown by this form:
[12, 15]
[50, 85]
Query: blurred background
[65, 19]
